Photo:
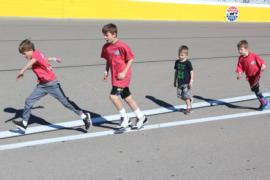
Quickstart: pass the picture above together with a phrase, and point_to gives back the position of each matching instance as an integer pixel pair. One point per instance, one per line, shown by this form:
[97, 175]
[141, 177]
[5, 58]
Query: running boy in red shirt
[119, 58]
[47, 84]
[253, 66]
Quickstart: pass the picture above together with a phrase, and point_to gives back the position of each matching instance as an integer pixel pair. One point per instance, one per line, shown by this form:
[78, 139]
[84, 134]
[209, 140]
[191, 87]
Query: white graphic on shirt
[117, 53]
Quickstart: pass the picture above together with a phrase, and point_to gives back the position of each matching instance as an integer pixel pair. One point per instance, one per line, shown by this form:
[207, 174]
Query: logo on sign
[232, 14]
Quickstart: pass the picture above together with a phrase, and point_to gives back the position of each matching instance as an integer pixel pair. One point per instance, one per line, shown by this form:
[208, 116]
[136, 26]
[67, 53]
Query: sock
[25, 122]
[83, 116]
[138, 113]
[123, 113]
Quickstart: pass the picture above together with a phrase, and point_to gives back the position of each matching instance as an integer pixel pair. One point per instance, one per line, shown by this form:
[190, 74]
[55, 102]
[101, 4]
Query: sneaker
[125, 122]
[20, 125]
[264, 106]
[140, 122]
[87, 121]
[187, 111]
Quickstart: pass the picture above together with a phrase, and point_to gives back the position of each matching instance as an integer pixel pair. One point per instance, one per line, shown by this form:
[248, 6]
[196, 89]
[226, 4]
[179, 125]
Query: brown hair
[110, 28]
[183, 48]
[242, 43]
[26, 45]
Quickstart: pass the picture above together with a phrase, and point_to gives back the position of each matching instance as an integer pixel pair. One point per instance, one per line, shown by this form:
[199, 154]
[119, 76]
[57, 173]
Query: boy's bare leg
[132, 103]
[125, 122]
[188, 103]
[116, 102]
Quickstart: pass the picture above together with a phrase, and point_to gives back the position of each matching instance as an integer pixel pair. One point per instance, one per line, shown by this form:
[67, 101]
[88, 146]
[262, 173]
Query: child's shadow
[163, 103]
[35, 119]
[210, 101]
[229, 105]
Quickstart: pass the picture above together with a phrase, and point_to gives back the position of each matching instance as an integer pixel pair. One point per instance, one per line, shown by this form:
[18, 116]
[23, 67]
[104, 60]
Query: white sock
[25, 122]
[123, 112]
[139, 113]
[83, 116]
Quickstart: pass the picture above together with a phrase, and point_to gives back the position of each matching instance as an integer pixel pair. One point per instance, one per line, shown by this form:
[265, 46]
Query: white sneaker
[125, 122]
[87, 120]
[140, 122]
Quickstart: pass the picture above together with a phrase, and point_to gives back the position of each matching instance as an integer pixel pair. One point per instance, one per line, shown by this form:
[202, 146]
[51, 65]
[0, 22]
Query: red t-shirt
[117, 55]
[42, 68]
[251, 65]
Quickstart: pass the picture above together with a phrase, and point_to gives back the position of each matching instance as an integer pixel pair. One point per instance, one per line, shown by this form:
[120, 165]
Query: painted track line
[103, 119]
[148, 127]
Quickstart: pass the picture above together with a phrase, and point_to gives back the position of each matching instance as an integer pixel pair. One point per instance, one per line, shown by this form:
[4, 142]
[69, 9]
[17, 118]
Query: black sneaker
[20, 125]
[87, 121]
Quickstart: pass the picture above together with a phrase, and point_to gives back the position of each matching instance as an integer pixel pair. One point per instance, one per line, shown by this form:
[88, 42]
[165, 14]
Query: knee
[129, 99]
[184, 97]
[28, 102]
[113, 97]
[65, 102]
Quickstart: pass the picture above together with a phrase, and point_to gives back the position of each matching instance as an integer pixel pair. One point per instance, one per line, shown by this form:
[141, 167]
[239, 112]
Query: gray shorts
[183, 92]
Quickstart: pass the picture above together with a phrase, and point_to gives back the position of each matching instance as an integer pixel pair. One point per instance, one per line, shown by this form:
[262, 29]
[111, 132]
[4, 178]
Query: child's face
[109, 37]
[243, 51]
[183, 55]
[28, 54]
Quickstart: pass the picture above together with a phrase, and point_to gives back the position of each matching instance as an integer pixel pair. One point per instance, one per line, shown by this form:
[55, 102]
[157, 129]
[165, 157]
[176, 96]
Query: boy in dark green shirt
[184, 77]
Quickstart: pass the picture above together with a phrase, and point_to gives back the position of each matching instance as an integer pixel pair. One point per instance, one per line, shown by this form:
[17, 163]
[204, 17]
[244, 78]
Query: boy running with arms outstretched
[119, 58]
[47, 84]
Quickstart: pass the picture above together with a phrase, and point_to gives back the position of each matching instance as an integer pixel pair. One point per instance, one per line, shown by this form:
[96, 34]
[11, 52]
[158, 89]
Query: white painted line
[77, 123]
[205, 3]
[148, 127]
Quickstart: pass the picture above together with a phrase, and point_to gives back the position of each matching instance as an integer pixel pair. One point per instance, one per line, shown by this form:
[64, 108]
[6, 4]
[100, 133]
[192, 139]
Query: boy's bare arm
[122, 75]
[27, 66]
[191, 78]
[107, 66]
[239, 75]
[106, 73]
[263, 68]
[54, 59]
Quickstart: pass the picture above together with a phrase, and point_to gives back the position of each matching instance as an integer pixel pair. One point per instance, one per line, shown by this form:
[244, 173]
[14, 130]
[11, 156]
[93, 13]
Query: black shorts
[118, 91]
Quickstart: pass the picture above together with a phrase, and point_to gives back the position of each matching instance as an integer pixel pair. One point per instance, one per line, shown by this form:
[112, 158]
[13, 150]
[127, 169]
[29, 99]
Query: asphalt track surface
[228, 149]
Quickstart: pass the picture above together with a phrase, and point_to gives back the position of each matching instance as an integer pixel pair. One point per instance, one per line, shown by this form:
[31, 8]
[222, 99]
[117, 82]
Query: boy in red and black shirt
[47, 84]
[253, 66]
[119, 58]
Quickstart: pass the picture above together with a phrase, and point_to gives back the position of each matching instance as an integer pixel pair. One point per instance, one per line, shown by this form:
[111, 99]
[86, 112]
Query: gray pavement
[235, 149]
